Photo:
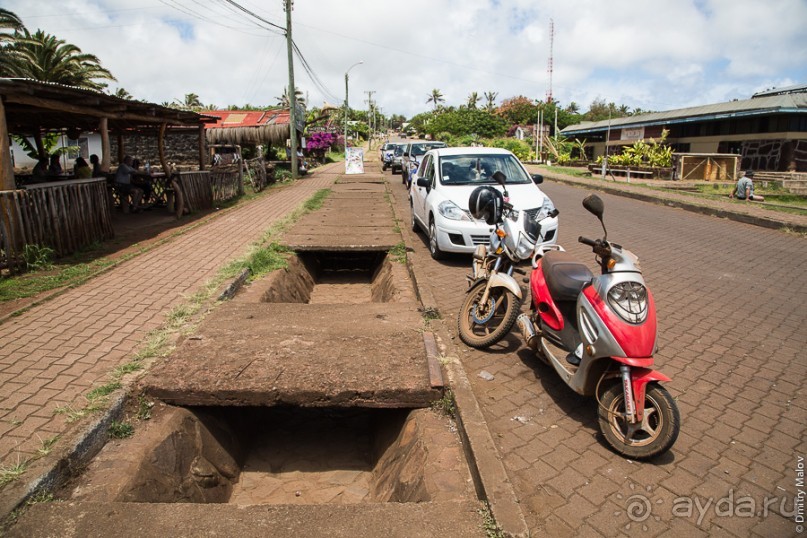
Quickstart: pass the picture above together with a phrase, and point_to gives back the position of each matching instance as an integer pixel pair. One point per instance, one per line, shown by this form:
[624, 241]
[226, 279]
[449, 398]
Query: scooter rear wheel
[656, 433]
[480, 331]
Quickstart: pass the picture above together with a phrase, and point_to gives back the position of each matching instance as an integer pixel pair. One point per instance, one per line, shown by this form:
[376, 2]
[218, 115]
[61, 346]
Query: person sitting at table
[40, 171]
[81, 169]
[142, 180]
[55, 168]
[123, 182]
[96, 166]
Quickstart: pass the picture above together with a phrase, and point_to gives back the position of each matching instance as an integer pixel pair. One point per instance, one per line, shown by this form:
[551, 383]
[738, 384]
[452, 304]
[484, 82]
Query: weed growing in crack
[46, 445]
[120, 430]
[11, 473]
[398, 252]
[445, 405]
[144, 408]
[489, 525]
[430, 313]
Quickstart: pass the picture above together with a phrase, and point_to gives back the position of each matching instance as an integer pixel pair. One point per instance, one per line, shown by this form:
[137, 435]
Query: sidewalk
[56, 353]
[750, 213]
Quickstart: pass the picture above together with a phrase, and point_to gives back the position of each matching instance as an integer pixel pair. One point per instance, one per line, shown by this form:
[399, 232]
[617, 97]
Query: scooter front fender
[639, 378]
[500, 280]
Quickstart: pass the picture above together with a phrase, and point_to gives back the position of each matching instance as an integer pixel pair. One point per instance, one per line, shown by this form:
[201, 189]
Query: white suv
[445, 179]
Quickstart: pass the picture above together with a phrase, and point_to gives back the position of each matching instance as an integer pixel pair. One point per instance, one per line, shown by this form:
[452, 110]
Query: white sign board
[636, 133]
[354, 161]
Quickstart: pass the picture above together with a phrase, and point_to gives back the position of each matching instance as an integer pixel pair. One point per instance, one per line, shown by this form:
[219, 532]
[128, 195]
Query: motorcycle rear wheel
[654, 436]
[505, 307]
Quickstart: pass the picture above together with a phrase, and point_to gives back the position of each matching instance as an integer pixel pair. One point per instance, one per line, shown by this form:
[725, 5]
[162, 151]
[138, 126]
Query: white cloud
[655, 54]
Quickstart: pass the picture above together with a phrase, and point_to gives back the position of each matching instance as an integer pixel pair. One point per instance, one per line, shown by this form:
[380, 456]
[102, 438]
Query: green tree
[467, 121]
[436, 97]
[191, 101]
[122, 93]
[490, 101]
[44, 57]
[473, 99]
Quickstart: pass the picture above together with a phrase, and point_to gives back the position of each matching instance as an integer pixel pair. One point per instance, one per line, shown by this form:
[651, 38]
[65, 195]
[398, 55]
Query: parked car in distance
[397, 158]
[443, 183]
[412, 156]
[388, 153]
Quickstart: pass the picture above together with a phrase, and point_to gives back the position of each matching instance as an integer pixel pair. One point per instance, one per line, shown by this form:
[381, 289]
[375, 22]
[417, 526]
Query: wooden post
[105, 157]
[6, 168]
[202, 146]
[161, 151]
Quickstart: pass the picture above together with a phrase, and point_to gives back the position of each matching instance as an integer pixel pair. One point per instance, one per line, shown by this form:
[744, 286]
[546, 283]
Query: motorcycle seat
[565, 277]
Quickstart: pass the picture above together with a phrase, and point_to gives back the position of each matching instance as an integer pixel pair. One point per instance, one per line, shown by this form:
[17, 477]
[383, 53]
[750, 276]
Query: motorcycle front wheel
[482, 325]
[653, 436]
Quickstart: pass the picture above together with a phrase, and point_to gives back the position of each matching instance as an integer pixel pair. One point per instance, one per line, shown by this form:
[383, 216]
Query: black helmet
[486, 204]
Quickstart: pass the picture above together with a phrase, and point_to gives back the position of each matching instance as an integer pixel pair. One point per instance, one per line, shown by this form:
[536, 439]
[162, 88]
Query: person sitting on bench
[123, 182]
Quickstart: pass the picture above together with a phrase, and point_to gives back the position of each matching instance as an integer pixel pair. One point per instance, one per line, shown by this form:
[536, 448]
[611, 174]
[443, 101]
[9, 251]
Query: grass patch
[398, 252]
[46, 445]
[430, 313]
[489, 525]
[120, 430]
[11, 473]
[315, 202]
[445, 405]
[144, 408]
[103, 391]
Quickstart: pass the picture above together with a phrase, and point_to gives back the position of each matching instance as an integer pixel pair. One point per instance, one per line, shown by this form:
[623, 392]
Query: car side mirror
[424, 183]
[537, 179]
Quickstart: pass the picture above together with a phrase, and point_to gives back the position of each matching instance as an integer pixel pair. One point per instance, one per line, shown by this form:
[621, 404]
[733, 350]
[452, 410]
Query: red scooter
[599, 334]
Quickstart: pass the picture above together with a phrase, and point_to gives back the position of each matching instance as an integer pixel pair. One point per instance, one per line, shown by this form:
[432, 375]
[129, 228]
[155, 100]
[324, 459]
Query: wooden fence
[226, 184]
[195, 192]
[256, 171]
[64, 216]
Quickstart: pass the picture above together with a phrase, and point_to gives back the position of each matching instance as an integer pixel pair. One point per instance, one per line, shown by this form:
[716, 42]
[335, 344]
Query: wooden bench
[596, 169]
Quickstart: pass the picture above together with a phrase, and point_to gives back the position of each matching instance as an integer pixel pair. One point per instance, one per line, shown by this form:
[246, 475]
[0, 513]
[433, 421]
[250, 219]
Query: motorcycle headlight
[629, 301]
[451, 211]
[525, 247]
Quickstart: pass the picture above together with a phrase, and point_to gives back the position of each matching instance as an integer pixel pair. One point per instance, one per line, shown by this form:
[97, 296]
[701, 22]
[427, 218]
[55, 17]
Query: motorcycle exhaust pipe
[528, 331]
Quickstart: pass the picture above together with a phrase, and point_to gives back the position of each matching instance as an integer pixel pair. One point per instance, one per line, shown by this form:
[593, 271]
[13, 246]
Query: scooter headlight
[629, 301]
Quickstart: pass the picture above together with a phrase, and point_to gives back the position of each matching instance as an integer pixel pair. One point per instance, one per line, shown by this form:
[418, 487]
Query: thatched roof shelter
[252, 127]
[30, 107]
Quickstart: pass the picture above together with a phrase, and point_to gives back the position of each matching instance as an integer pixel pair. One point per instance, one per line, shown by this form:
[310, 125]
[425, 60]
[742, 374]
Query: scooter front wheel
[482, 325]
[656, 433]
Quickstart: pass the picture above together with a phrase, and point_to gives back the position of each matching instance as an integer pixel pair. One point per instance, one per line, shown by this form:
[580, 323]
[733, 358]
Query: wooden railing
[195, 193]
[64, 216]
[226, 184]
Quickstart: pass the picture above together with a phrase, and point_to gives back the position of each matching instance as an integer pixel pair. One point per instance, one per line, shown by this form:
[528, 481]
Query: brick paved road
[54, 354]
[731, 302]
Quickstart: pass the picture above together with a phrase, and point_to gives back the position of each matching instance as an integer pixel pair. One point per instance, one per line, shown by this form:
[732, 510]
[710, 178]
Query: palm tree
[283, 100]
[9, 25]
[122, 93]
[43, 57]
[473, 99]
[490, 97]
[436, 97]
[573, 108]
[190, 102]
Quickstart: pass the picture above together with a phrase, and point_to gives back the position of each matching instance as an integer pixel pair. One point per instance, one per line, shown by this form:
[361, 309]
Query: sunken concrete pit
[277, 456]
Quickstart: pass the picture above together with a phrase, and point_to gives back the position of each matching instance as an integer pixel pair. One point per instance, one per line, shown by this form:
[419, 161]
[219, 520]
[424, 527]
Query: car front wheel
[434, 248]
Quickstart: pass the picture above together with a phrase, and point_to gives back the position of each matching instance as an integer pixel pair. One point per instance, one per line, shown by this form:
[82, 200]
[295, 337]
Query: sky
[650, 54]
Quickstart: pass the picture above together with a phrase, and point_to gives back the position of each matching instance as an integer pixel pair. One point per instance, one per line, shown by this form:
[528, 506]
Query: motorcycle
[599, 334]
[494, 298]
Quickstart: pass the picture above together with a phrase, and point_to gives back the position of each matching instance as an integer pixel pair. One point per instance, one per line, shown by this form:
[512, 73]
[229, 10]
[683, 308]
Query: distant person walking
[745, 188]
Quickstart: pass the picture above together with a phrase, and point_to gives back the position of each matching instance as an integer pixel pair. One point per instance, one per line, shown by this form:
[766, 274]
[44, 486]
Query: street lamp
[346, 102]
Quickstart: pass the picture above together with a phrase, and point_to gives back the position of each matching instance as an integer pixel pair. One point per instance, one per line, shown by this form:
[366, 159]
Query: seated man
[123, 182]
[745, 188]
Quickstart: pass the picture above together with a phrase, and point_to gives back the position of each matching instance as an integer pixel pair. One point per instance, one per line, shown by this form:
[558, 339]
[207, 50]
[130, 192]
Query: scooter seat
[564, 276]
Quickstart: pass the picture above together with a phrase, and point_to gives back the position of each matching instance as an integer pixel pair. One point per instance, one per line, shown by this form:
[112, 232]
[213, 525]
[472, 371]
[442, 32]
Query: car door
[420, 194]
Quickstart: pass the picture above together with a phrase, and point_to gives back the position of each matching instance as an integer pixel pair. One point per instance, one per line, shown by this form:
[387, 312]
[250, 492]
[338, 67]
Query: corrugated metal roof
[792, 102]
[248, 118]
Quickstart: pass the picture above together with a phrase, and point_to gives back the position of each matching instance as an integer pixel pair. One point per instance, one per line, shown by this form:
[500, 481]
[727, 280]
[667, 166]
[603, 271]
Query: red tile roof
[247, 118]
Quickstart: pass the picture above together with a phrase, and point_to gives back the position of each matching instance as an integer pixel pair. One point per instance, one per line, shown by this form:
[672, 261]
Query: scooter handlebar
[587, 241]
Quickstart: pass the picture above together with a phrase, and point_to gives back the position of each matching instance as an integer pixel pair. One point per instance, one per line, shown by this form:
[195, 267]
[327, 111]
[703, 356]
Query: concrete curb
[490, 477]
[765, 222]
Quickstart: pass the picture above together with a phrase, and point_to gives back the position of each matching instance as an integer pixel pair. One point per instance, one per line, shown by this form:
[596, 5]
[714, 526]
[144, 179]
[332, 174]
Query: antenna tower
[549, 66]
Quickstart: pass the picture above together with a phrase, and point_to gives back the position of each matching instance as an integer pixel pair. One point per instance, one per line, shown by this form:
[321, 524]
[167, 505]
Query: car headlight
[545, 210]
[629, 301]
[451, 211]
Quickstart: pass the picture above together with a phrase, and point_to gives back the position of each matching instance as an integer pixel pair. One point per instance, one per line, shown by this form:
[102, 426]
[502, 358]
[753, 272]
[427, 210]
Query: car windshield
[421, 149]
[479, 169]
[399, 150]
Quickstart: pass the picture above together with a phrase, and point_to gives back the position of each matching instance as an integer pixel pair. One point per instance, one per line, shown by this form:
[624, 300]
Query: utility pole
[369, 114]
[292, 92]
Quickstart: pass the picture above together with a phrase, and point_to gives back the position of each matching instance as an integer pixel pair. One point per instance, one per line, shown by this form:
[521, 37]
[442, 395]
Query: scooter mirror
[594, 205]
[499, 178]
